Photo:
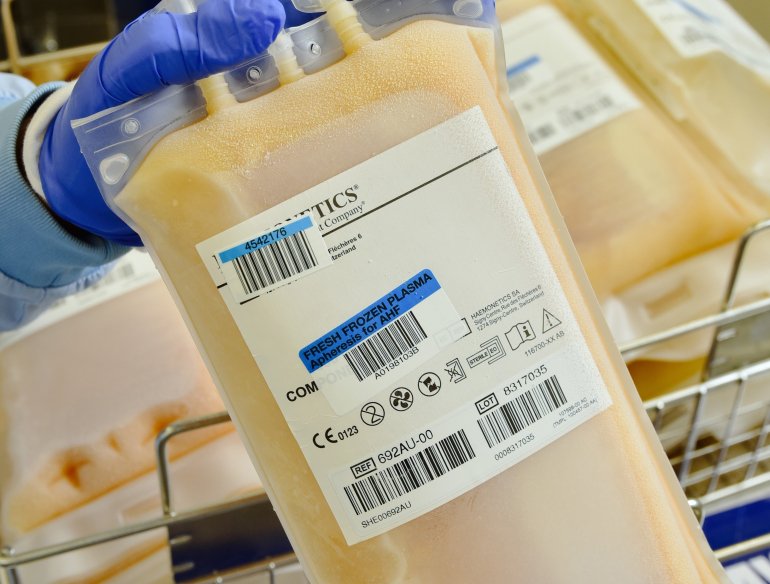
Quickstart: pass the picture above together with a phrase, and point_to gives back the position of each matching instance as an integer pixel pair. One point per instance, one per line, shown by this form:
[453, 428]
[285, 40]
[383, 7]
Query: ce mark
[328, 435]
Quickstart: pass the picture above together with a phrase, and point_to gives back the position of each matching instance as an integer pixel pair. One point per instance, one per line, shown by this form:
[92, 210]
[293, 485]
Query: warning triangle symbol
[549, 321]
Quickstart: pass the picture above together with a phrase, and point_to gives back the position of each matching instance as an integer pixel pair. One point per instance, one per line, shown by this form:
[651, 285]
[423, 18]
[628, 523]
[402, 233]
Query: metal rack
[704, 464]
[10, 561]
[689, 404]
[722, 461]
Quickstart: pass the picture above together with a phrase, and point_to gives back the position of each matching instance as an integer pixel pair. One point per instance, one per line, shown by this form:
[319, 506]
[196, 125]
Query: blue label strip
[269, 238]
[697, 12]
[523, 65]
[369, 321]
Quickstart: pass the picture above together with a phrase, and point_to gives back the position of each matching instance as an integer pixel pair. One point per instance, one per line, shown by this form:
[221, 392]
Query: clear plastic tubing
[344, 19]
[215, 89]
[281, 50]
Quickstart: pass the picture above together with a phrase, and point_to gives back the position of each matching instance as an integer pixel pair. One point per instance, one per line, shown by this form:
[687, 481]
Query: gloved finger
[154, 51]
[170, 49]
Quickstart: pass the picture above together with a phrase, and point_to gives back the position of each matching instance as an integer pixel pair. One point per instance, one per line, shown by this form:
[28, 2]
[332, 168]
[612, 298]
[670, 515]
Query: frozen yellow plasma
[84, 420]
[602, 498]
[704, 64]
[635, 194]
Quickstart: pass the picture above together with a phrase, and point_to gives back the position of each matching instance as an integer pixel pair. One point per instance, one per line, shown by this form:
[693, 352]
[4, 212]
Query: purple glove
[154, 51]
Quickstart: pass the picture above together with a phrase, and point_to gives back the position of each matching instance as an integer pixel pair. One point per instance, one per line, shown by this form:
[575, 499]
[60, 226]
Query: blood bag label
[438, 348]
[130, 272]
[698, 27]
[561, 87]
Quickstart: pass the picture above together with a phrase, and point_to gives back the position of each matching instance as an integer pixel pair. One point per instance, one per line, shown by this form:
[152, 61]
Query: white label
[697, 27]
[132, 271]
[438, 343]
[559, 84]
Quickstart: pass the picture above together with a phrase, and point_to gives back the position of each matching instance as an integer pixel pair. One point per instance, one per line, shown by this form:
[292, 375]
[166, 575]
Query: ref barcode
[275, 262]
[385, 346]
[522, 411]
[411, 473]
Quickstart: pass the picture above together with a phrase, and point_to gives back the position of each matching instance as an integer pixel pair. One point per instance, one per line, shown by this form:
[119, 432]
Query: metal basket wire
[10, 561]
[714, 454]
[725, 444]
[717, 432]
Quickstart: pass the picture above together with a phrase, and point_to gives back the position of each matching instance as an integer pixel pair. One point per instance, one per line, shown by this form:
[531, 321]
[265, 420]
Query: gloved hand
[154, 51]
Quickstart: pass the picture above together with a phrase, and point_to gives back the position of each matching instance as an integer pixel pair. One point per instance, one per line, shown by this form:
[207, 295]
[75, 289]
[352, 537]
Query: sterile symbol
[455, 371]
[429, 384]
[549, 321]
[491, 351]
[401, 399]
[372, 414]
[520, 334]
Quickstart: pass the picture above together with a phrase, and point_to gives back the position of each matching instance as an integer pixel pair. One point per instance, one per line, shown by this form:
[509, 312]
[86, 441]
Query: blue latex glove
[153, 51]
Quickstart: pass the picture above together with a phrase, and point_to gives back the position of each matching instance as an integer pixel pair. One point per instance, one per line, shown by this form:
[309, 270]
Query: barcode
[522, 411]
[578, 115]
[385, 346]
[692, 35]
[518, 81]
[411, 473]
[275, 262]
[541, 133]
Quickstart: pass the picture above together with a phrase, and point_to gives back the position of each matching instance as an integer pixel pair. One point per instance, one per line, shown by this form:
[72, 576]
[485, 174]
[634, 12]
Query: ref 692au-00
[405, 446]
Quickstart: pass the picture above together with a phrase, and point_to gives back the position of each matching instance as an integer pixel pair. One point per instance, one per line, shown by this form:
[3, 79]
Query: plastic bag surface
[704, 64]
[602, 497]
[209, 474]
[627, 183]
[82, 420]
